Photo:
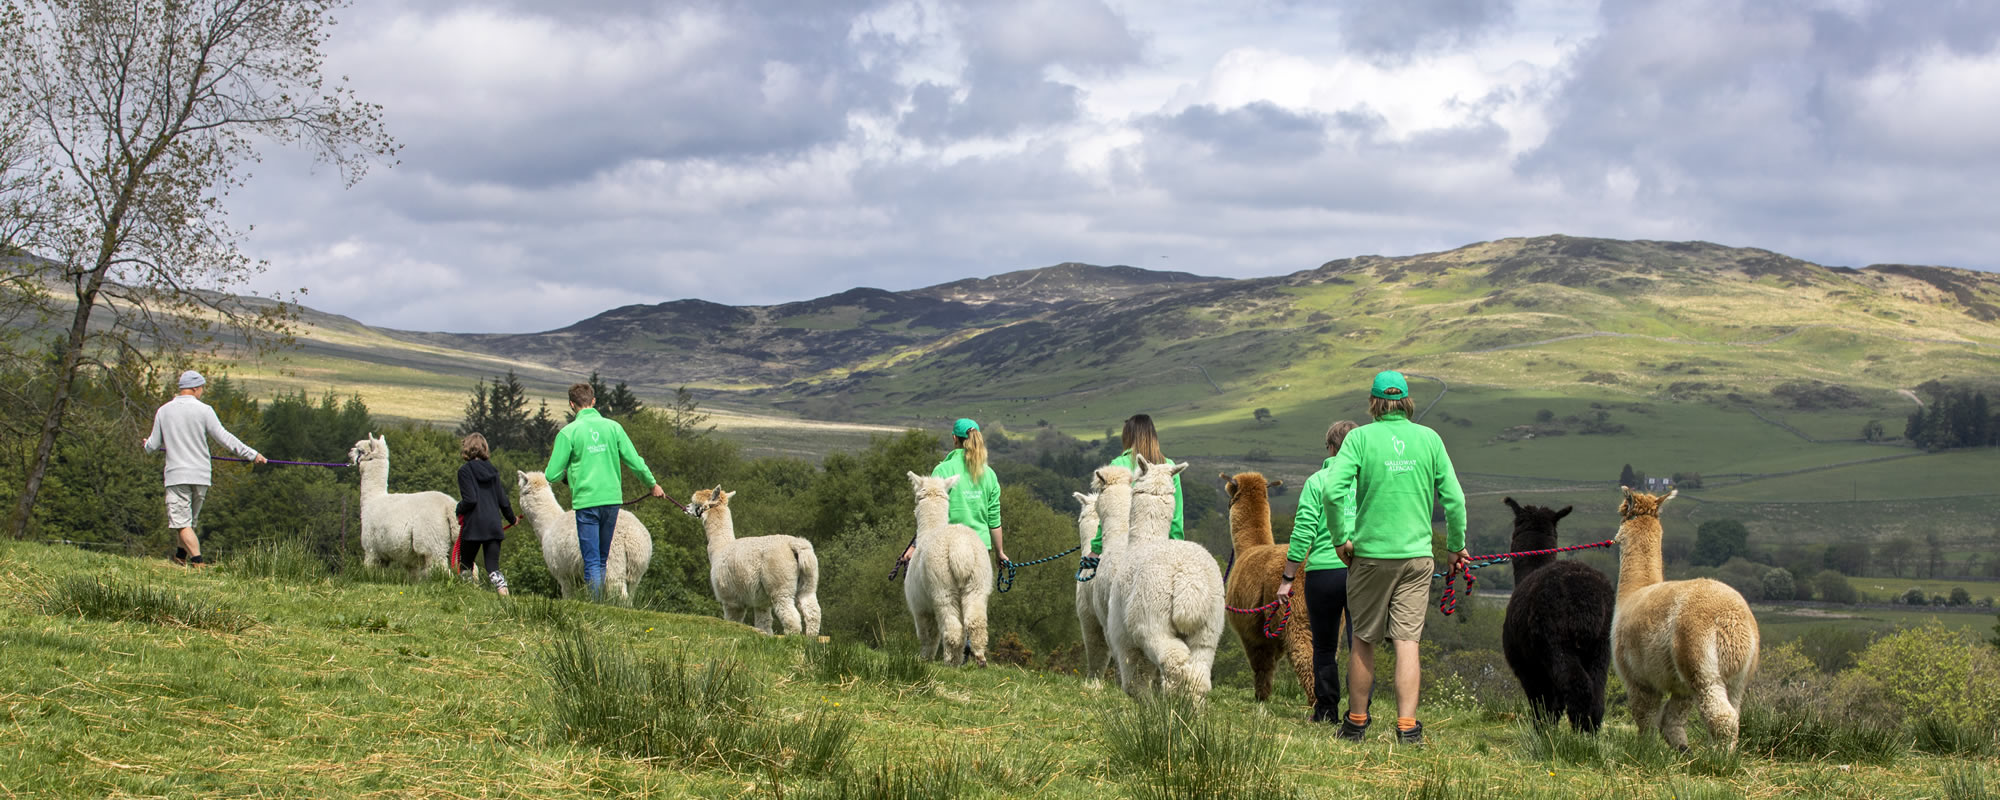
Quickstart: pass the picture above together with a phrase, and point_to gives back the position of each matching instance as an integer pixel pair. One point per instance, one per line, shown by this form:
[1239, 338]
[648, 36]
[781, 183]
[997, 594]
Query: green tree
[1960, 597]
[140, 116]
[1779, 585]
[1262, 415]
[1719, 540]
[1873, 431]
[1895, 552]
[1914, 597]
[1628, 478]
[1834, 588]
[500, 413]
[685, 417]
[1849, 557]
[295, 428]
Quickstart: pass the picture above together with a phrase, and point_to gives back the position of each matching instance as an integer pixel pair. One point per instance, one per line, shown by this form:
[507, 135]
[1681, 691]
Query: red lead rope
[459, 541]
[1448, 602]
[1274, 624]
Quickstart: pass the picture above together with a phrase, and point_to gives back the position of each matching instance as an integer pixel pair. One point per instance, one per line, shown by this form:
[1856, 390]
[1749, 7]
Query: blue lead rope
[1089, 566]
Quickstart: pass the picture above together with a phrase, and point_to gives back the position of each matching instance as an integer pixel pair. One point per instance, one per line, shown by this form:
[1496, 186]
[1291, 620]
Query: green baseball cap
[1389, 385]
[963, 426]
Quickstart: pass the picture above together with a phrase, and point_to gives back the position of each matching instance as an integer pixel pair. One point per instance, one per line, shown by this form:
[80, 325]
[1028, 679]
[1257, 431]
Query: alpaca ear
[1511, 504]
[1177, 469]
[915, 481]
[1277, 484]
[1143, 465]
[726, 496]
[1626, 489]
[1080, 497]
[1229, 484]
[1670, 495]
[950, 482]
[1565, 511]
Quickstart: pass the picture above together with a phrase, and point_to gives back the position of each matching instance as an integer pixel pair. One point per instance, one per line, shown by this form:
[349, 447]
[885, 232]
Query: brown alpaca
[1689, 643]
[1253, 581]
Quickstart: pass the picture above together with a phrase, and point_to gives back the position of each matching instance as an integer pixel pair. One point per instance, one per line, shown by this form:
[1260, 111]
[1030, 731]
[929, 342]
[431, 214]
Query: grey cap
[191, 379]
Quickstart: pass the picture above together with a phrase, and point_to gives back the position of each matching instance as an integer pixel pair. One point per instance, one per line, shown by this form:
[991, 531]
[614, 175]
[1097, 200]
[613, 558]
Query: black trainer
[1413, 737]
[1352, 732]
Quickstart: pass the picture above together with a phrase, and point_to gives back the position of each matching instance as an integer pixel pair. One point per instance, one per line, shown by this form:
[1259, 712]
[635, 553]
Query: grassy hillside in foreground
[339, 689]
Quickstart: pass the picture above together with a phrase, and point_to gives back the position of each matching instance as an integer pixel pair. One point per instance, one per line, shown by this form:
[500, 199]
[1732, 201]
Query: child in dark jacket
[482, 504]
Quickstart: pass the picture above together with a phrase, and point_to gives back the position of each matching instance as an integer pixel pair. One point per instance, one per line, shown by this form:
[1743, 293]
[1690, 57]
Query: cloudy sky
[564, 158]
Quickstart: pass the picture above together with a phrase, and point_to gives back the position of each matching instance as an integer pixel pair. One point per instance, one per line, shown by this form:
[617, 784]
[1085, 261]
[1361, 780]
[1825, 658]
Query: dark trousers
[1326, 600]
[468, 553]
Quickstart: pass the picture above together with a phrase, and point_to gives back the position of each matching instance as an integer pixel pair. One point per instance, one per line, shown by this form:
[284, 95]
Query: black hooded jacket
[482, 501]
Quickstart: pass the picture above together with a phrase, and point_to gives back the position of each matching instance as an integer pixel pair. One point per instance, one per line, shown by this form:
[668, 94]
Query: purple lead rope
[281, 463]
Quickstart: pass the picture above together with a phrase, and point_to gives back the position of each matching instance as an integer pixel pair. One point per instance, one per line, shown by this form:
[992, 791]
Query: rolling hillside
[1752, 368]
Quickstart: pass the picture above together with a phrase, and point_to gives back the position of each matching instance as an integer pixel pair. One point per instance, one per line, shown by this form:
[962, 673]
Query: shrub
[1913, 597]
[1778, 584]
[94, 598]
[1831, 648]
[1937, 670]
[1960, 597]
[1834, 588]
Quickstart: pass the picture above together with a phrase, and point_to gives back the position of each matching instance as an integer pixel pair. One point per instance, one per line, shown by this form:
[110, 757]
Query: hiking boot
[1413, 737]
[1352, 732]
[180, 557]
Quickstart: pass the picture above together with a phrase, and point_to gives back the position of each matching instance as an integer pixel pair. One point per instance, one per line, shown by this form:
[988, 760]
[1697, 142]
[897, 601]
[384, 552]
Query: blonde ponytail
[975, 453]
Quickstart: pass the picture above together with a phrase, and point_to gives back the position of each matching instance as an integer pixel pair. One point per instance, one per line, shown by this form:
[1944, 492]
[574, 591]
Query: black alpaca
[1558, 631]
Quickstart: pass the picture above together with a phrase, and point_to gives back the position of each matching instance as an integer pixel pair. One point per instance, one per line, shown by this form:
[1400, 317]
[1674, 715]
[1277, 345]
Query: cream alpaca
[1253, 582]
[949, 580]
[1688, 642]
[761, 575]
[414, 531]
[1166, 597]
[1110, 510]
[631, 543]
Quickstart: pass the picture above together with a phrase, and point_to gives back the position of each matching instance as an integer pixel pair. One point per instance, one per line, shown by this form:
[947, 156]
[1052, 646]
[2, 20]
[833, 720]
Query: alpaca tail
[808, 587]
[1196, 601]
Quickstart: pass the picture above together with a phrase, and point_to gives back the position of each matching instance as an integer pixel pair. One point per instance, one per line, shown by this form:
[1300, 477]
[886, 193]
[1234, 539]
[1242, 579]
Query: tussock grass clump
[97, 598]
[1947, 738]
[842, 661]
[607, 696]
[537, 610]
[1560, 744]
[1172, 750]
[286, 560]
[1966, 783]
[1802, 734]
[941, 779]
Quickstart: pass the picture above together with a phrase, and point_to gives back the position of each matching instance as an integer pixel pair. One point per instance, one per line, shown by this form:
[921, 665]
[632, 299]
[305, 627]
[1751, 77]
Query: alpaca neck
[1250, 522]
[1532, 539]
[1086, 525]
[1638, 555]
[374, 479]
[1152, 517]
[1114, 509]
[1526, 565]
[933, 514]
[721, 530]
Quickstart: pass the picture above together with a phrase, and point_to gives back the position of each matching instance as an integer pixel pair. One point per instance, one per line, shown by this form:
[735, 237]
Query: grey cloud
[1260, 131]
[1396, 28]
[1009, 47]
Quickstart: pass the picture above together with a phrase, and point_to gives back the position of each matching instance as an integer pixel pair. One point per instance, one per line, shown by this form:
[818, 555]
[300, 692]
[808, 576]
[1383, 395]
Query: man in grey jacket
[183, 427]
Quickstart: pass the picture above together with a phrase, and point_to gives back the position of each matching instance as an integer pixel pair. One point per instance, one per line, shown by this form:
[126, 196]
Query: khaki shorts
[184, 504]
[1387, 597]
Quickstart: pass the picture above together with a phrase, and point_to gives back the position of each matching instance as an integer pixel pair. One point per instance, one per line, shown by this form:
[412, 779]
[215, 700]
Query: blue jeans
[594, 528]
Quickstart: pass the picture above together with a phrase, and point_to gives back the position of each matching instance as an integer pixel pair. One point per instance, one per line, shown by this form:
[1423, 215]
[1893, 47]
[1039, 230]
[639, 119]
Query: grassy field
[221, 684]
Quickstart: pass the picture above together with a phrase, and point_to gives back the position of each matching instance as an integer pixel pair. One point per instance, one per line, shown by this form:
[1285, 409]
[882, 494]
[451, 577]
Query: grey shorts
[1387, 598]
[184, 504]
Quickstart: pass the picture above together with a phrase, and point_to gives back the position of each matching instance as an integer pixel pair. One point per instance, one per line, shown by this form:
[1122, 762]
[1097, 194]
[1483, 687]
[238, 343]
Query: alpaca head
[530, 482]
[1535, 526]
[1086, 501]
[1109, 476]
[706, 500]
[373, 448]
[1154, 478]
[930, 488]
[1640, 504]
[1247, 484]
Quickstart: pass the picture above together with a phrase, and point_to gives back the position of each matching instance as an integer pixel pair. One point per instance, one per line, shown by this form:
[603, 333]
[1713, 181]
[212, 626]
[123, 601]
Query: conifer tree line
[1952, 417]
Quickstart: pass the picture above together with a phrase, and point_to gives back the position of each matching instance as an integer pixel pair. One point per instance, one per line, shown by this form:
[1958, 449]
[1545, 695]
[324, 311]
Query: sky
[562, 159]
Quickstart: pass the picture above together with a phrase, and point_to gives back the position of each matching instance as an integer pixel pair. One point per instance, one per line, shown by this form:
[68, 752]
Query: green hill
[133, 678]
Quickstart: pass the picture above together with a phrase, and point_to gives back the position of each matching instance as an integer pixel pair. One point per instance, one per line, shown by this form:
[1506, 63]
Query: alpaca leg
[927, 635]
[764, 620]
[1263, 662]
[1135, 672]
[951, 636]
[1593, 719]
[1645, 709]
[1172, 657]
[1299, 651]
[733, 613]
[809, 612]
[1583, 701]
[1674, 720]
[1720, 713]
[975, 627]
[787, 611]
[1094, 649]
[1201, 670]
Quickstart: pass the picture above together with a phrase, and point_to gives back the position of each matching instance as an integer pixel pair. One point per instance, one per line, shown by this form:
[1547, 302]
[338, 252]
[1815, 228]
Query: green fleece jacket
[588, 451]
[1380, 487]
[1174, 532]
[974, 503]
[1310, 533]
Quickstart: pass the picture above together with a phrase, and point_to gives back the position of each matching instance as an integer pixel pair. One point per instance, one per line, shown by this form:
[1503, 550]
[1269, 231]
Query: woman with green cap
[975, 499]
[1140, 437]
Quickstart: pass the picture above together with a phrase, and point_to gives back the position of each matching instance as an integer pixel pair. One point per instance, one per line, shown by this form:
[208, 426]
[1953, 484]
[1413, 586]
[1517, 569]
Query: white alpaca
[761, 575]
[1166, 597]
[1091, 594]
[414, 531]
[950, 578]
[631, 543]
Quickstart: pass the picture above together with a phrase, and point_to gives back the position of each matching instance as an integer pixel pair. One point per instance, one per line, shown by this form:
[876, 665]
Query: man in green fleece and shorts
[1378, 495]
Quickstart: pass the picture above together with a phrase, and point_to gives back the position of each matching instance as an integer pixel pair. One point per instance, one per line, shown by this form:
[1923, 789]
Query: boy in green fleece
[1378, 498]
[589, 451]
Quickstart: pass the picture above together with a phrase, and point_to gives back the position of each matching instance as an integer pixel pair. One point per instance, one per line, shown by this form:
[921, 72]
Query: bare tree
[146, 113]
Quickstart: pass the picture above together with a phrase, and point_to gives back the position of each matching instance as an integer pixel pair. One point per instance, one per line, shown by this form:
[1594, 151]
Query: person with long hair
[1141, 438]
[1379, 499]
[1326, 579]
[975, 499]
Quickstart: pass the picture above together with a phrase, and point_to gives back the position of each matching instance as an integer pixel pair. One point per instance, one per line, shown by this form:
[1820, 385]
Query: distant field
[1779, 624]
